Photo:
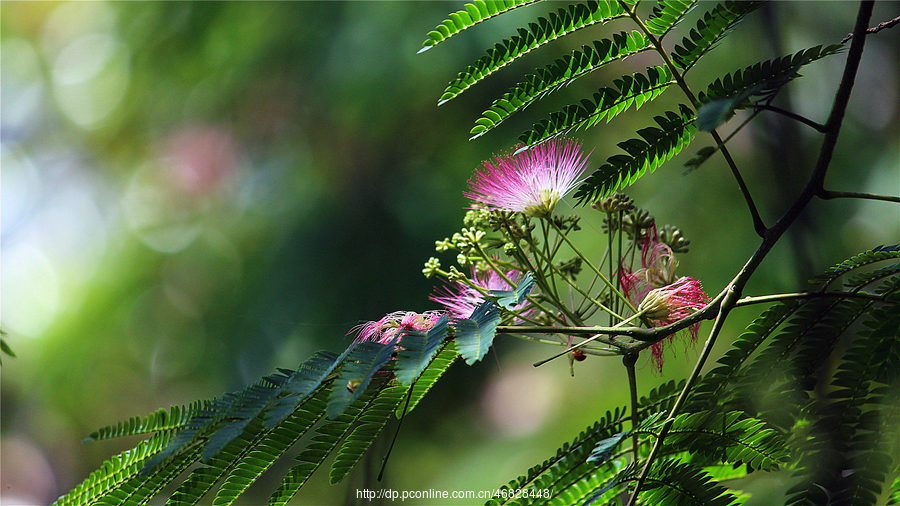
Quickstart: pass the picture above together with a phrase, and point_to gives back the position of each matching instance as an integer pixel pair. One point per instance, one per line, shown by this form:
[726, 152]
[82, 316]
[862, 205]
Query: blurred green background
[196, 193]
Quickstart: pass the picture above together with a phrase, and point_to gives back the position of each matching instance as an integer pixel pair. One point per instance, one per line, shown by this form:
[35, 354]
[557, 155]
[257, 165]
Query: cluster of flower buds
[672, 235]
[614, 203]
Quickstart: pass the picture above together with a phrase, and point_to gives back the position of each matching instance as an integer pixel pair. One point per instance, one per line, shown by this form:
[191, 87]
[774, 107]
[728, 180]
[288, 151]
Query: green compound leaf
[606, 103]
[419, 349]
[302, 383]
[509, 299]
[475, 334]
[175, 418]
[656, 146]
[366, 359]
[861, 260]
[544, 30]
[369, 425]
[326, 438]
[757, 82]
[715, 25]
[567, 477]
[474, 13]
[666, 14]
[116, 471]
[729, 437]
[673, 482]
[559, 74]
[446, 357]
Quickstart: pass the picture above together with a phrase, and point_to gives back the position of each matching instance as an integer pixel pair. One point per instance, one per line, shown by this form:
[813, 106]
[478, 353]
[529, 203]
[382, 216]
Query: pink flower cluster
[384, 330]
[532, 181]
[461, 300]
[656, 292]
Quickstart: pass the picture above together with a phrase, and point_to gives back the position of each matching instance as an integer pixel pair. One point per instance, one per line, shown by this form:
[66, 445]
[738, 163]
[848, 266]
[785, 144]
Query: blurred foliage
[195, 193]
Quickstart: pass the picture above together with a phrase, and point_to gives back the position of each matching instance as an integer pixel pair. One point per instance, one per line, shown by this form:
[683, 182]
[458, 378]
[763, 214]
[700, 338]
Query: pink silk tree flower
[461, 300]
[384, 330]
[532, 181]
[669, 304]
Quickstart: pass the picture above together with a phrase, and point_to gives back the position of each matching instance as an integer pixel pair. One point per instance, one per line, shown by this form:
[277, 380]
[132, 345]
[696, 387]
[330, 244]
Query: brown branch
[877, 28]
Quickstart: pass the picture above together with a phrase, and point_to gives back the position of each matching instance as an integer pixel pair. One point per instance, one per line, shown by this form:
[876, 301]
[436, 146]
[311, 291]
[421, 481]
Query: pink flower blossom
[460, 300]
[384, 330]
[655, 291]
[530, 182]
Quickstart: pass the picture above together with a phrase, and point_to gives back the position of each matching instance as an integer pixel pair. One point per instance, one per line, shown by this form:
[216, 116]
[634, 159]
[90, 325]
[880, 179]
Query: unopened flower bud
[673, 236]
[432, 265]
[613, 203]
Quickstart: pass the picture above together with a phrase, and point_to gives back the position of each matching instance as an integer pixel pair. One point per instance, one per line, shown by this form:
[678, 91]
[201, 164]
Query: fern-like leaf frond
[568, 476]
[557, 75]
[672, 482]
[714, 26]
[666, 14]
[475, 335]
[419, 348]
[606, 103]
[326, 438]
[114, 472]
[175, 418]
[474, 13]
[729, 437]
[878, 254]
[544, 30]
[366, 359]
[757, 82]
[371, 422]
[656, 146]
[438, 366]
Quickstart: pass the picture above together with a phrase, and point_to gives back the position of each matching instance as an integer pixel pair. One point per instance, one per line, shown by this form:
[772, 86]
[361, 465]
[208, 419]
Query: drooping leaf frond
[543, 30]
[666, 14]
[474, 13]
[475, 335]
[660, 398]
[857, 428]
[366, 359]
[604, 449]
[175, 418]
[557, 75]
[655, 147]
[757, 82]
[714, 26]
[729, 437]
[438, 366]
[606, 103]
[419, 349]
[301, 383]
[370, 424]
[672, 482]
[710, 390]
[509, 299]
[861, 260]
[326, 438]
[114, 472]
[568, 476]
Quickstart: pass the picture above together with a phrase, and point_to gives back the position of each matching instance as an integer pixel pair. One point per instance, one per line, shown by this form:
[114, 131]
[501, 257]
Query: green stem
[629, 360]
[596, 271]
[828, 195]
[746, 301]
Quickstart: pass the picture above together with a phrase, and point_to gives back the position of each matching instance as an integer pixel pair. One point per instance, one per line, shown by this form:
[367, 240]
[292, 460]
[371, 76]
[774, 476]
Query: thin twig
[828, 195]
[802, 119]
[877, 28]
